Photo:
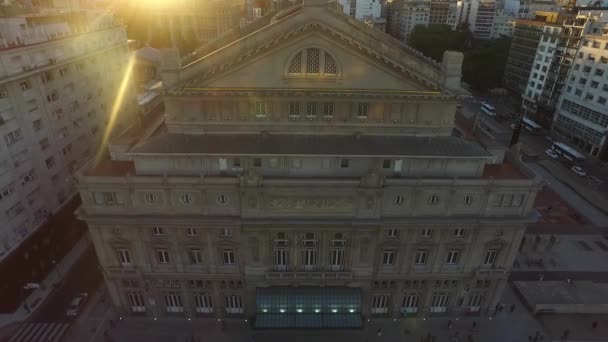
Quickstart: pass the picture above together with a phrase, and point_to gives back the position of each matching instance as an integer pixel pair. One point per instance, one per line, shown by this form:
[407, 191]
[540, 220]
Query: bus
[567, 152]
[531, 125]
[488, 109]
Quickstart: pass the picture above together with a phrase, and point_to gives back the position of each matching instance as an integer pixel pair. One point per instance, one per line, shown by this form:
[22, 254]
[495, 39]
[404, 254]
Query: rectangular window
[439, 302]
[392, 232]
[52, 96]
[202, 303]
[13, 137]
[234, 304]
[25, 85]
[124, 257]
[281, 255]
[50, 162]
[228, 256]
[452, 258]
[225, 232]
[362, 110]
[260, 108]
[458, 232]
[162, 255]
[380, 304]
[328, 109]
[411, 302]
[195, 256]
[427, 233]
[46, 76]
[173, 302]
[388, 257]
[344, 163]
[191, 232]
[421, 257]
[158, 231]
[386, 164]
[311, 109]
[136, 299]
[599, 72]
[490, 257]
[294, 109]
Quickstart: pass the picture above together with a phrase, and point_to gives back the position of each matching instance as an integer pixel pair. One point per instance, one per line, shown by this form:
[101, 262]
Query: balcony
[490, 271]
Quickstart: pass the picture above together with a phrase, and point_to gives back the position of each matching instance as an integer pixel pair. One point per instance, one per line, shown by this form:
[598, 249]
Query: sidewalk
[505, 327]
[47, 286]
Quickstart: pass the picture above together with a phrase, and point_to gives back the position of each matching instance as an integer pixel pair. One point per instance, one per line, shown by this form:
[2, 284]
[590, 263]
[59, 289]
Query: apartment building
[554, 57]
[478, 15]
[443, 12]
[503, 24]
[405, 15]
[59, 77]
[522, 52]
[582, 114]
[297, 201]
[362, 9]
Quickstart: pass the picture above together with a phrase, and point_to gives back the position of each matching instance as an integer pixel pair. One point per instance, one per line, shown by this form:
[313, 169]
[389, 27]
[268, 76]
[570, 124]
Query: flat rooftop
[303, 145]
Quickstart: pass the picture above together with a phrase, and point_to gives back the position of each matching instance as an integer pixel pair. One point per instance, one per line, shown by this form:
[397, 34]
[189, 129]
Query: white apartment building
[59, 76]
[362, 9]
[478, 15]
[582, 114]
[407, 14]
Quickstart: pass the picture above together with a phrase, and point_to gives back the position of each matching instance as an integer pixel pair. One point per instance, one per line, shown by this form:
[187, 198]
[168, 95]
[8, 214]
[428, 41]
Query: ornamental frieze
[289, 203]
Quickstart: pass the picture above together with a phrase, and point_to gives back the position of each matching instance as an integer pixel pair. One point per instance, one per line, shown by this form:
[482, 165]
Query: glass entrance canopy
[308, 307]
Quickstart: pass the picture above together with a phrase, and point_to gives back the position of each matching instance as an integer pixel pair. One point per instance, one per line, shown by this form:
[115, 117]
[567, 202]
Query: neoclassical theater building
[304, 174]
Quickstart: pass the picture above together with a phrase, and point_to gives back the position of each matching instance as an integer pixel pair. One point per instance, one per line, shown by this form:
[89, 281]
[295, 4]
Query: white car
[551, 154]
[75, 304]
[579, 171]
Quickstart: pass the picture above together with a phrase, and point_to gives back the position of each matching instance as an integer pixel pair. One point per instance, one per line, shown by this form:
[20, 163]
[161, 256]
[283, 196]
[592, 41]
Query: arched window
[312, 62]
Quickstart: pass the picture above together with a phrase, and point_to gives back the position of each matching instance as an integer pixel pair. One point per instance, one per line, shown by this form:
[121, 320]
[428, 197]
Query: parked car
[551, 154]
[579, 171]
[76, 304]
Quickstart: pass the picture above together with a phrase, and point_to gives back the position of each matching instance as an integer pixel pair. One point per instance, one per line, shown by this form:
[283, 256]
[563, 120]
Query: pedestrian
[512, 308]
[541, 277]
[594, 324]
[379, 332]
[565, 335]
[500, 307]
[450, 324]
[474, 324]
[496, 309]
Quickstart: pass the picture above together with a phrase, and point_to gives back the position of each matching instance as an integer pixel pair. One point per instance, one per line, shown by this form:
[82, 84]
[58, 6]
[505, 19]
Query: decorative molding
[294, 203]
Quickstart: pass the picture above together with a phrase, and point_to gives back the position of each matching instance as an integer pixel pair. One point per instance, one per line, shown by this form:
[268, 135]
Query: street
[49, 322]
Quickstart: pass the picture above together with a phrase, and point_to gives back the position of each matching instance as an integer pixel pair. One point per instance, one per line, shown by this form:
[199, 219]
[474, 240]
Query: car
[76, 304]
[579, 171]
[551, 154]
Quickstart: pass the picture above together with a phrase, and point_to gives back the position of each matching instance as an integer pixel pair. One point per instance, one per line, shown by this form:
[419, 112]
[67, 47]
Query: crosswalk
[40, 332]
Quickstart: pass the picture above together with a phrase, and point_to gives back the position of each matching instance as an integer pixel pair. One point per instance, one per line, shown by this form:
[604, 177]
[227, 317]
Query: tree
[483, 67]
[434, 40]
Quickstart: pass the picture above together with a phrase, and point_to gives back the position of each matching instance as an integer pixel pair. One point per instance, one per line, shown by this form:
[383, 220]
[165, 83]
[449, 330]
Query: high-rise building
[503, 24]
[404, 15]
[59, 77]
[443, 12]
[478, 15]
[522, 52]
[362, 9]
[306, 176]
[553, 59]
[581, 118]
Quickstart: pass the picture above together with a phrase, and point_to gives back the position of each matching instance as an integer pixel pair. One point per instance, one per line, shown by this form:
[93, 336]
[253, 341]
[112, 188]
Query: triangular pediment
[355, 69]
[365, 58]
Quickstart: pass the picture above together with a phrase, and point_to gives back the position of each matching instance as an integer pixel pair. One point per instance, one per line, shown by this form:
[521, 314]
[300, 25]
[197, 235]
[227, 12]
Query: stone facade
[321, 158]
